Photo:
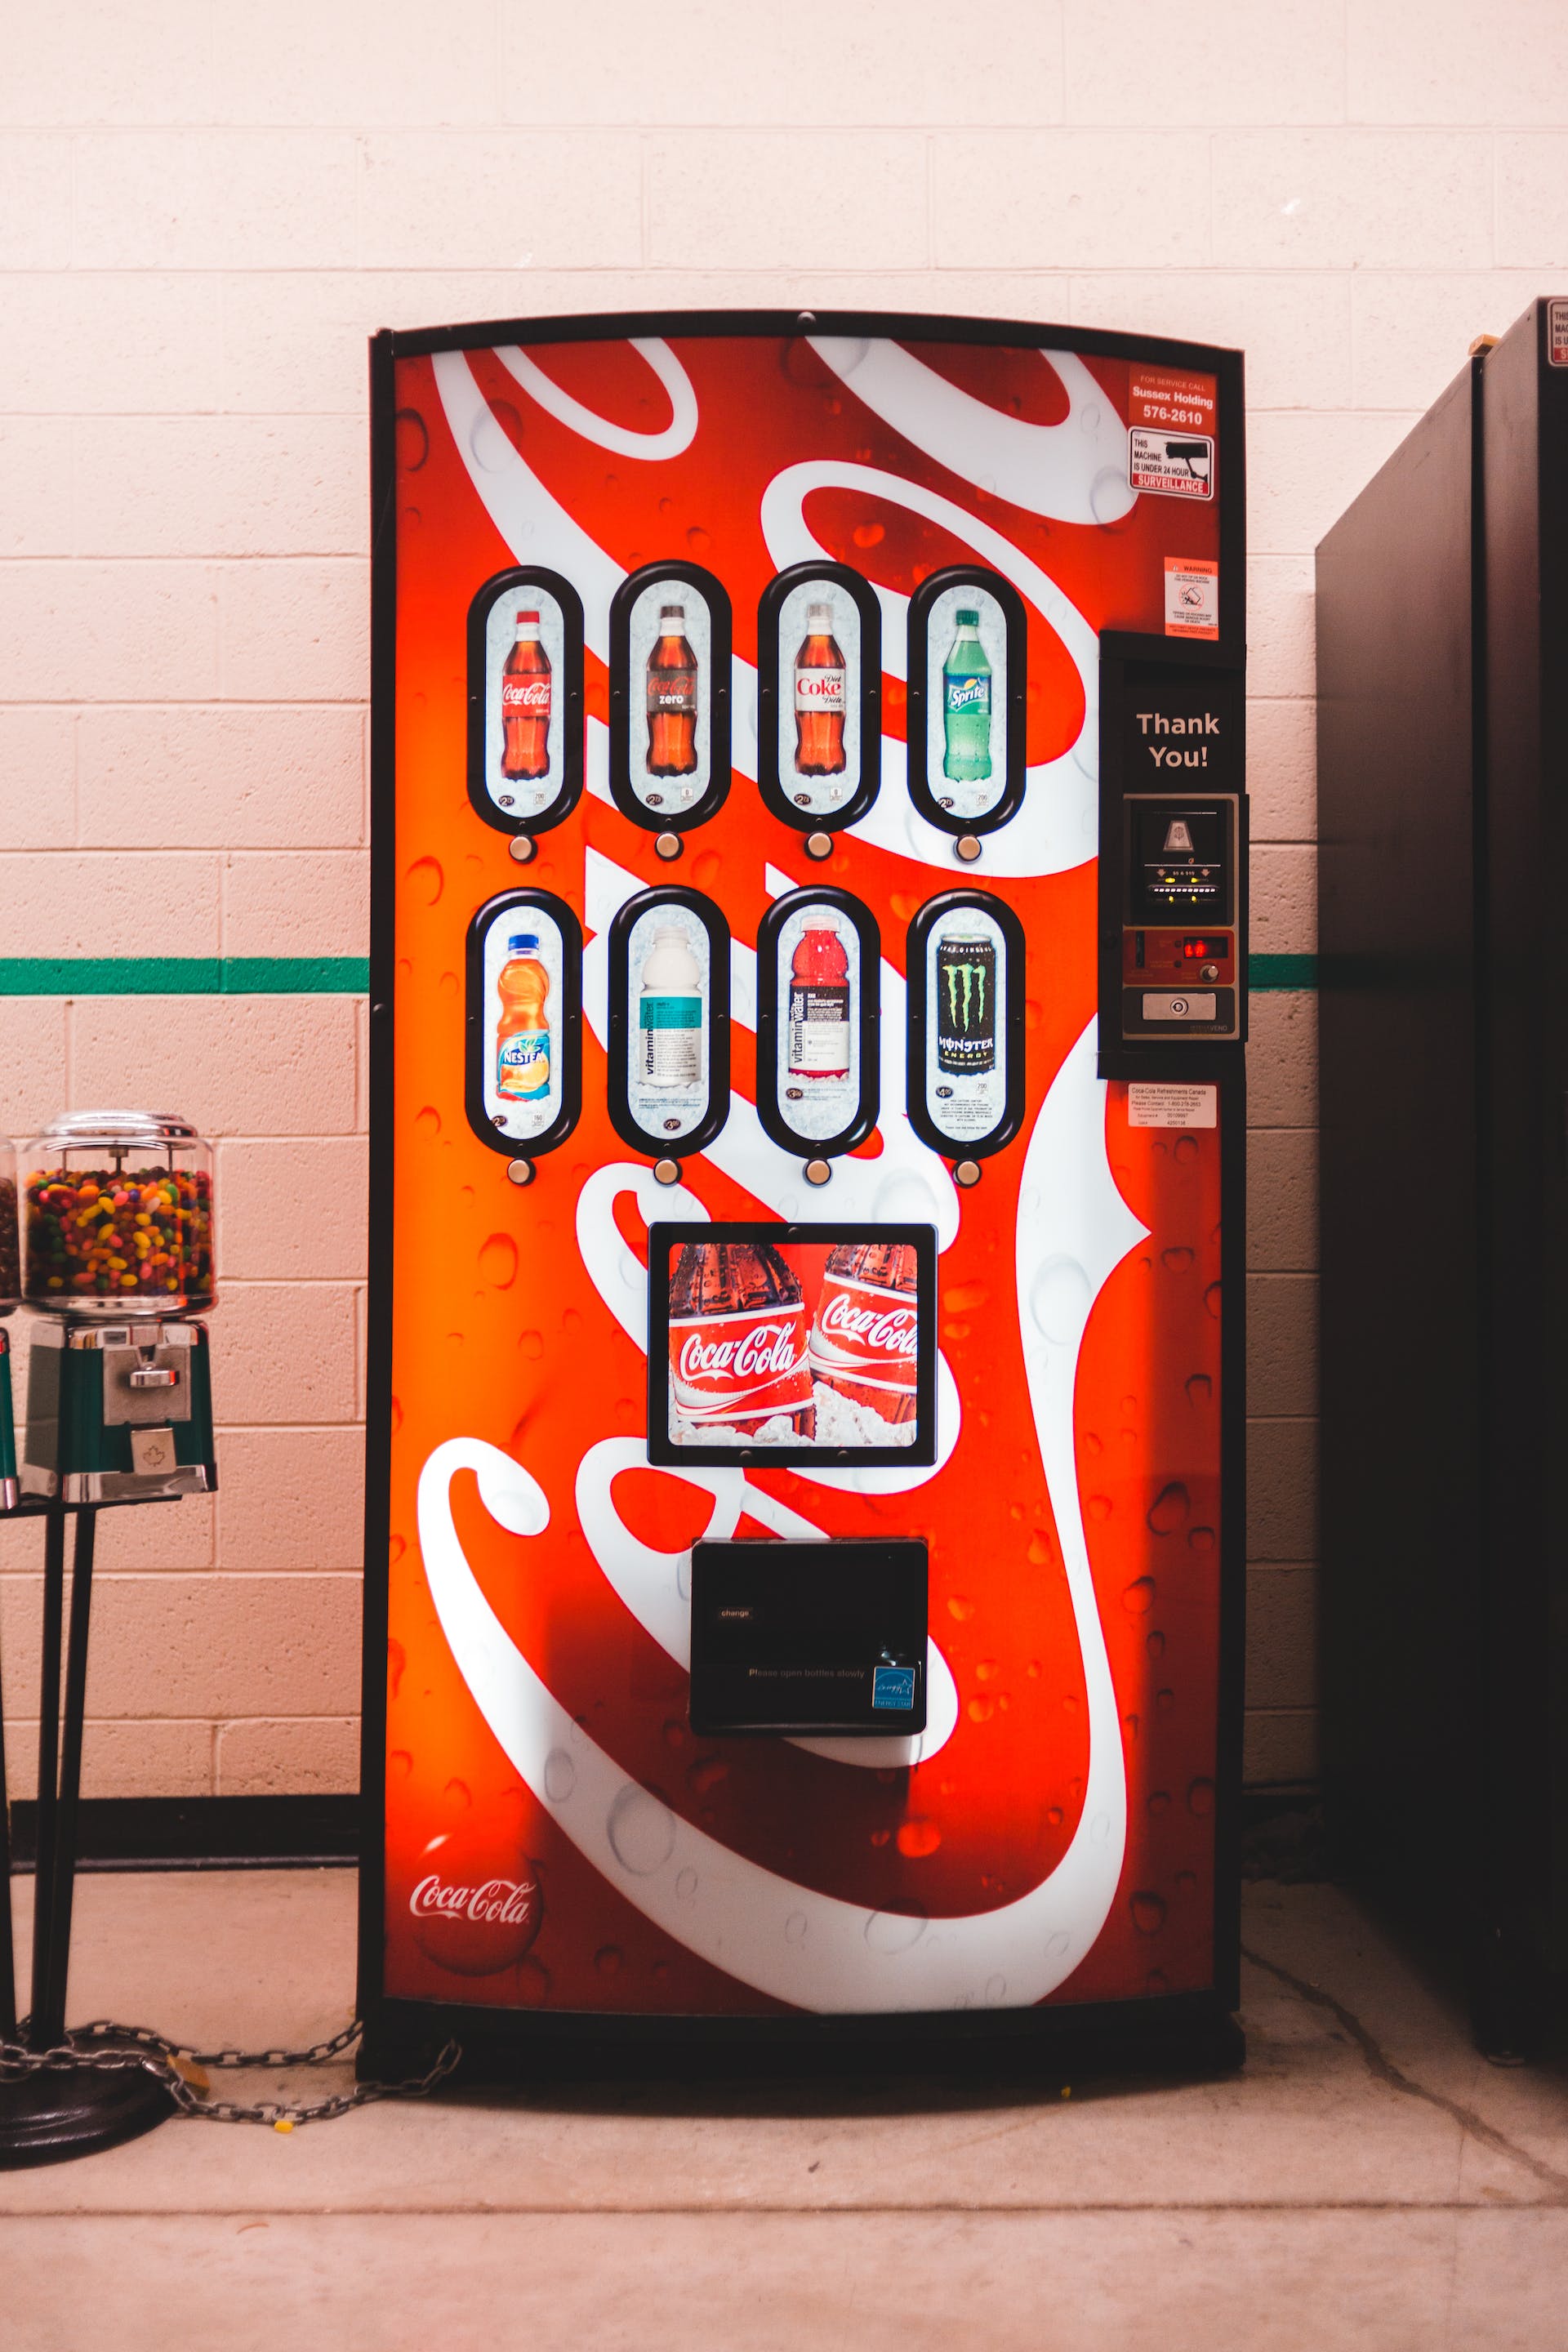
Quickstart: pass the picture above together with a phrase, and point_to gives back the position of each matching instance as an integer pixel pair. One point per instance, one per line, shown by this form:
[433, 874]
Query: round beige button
[967, 848]
[666, 1171]
[819, 844]
[817, 1172]
[669, 844]
[523, 846]
[967, 1172]
[521, 1172]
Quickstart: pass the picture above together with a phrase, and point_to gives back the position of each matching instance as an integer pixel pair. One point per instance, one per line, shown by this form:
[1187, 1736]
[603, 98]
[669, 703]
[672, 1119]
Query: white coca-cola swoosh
[1072, 471]
[1059, 827]
[624, 439]
[785, 1939]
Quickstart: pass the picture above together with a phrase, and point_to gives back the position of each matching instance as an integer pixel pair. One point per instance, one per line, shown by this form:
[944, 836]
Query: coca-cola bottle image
[671, 698]
[737, 1343]
[525, 687]
[819, 697]
[865, 1339]
[820, 1002]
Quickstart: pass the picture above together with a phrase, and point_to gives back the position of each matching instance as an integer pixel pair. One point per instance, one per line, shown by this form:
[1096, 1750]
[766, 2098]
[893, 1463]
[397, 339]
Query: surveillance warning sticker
[1170, 434]
[1191, 597]
[1557, 333]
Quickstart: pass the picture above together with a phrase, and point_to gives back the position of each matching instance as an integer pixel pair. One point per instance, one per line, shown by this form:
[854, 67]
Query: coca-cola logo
[891, 1331]
[763, 1349]
[525, 694]
[476, 1905]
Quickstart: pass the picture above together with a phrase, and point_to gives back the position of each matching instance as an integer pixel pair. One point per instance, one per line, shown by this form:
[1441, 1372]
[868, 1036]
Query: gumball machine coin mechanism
[117, 1267]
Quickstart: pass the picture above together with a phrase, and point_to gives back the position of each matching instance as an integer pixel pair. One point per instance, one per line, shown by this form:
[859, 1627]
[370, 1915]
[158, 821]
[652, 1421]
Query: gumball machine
[118, 1269]
[10, 1292]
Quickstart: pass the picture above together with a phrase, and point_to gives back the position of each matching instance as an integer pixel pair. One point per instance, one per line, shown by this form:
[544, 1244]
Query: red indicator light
[1194, 948]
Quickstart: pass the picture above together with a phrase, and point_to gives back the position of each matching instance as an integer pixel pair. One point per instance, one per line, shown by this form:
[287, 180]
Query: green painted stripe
[184, 975]
[336, 975]
[1275, 973]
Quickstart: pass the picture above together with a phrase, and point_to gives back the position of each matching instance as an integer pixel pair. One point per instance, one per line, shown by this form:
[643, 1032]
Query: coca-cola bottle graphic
[819, 698]
[525, 687]
[819, 1003]
[737, 1343]
[865, 1339]
[671, 698]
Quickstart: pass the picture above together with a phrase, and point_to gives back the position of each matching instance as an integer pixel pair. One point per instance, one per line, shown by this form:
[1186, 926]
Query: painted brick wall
[204, 211]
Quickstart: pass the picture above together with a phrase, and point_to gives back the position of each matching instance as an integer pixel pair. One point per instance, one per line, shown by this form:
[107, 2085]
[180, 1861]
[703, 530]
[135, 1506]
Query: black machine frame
[1197, 2029]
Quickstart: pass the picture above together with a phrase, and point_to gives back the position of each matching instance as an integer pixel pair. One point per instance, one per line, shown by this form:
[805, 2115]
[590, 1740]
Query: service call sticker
[1557, 333]
[1170, 434]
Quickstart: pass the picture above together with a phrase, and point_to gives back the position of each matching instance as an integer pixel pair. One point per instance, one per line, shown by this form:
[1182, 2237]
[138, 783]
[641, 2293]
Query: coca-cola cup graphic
[865, 1341]
[475, 1904]
[737, 1343]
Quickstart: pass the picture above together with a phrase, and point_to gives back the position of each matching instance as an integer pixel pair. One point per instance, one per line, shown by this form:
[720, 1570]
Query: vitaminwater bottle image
[671, 698]
[819, 1003]
[522, 1033]
[525, 705]
[669, 1012]
[819, 697]
[966, 704]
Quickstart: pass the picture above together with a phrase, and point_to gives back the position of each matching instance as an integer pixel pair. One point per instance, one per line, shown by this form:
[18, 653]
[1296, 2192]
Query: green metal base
[119, 1412]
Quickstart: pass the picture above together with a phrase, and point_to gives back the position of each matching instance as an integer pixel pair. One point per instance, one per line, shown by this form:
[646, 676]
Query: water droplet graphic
[427, 878]
[412, 440]
[1138, 1597]
[1148, 1914]
[1200, 1389]
[1169, 1509]
[607, 1959]
[1159, 1802]
[1058, 1942]
[395, 1547]
[396, 1661]
[698, 539]
[1200, 1539]
[1200, 1797]
[1178, 1261]
[961, 1607]
[1186, 1150]
[498, 1261]
[917, 1838]
[981, 1710]
[459, 1794]
[890, 1932]
[1059, 1299]
[686, 1885]
[641, 1831]
[1211, 1299]
[400, 1764]
[905, 1199]
[1155, 1645]
[530, 1344]
[488, 436]
[796, 1926]
[708, 1773]
[559, 1776]
[1108, 496]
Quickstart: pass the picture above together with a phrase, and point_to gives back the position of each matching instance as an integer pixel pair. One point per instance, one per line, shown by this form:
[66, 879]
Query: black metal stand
[60, 2111]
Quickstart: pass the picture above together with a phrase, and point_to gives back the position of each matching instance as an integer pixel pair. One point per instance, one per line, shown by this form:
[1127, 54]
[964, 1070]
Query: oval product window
[818, 989]
[524, 1076]
[819, 696]
[669, 697]
[966, 1013]
[968, 649]
[525, 700]
[669, 1022]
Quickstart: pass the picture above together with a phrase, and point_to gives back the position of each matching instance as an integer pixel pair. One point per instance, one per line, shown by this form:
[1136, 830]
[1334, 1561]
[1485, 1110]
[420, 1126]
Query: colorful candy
[10, 1273]
[120, 1235]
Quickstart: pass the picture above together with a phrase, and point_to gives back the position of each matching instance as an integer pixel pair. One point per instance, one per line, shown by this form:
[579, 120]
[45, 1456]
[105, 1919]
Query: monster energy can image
[965, 1003]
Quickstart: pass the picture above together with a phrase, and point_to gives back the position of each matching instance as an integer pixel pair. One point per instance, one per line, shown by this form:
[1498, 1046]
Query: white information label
[1172, 1106]
[1557, 333]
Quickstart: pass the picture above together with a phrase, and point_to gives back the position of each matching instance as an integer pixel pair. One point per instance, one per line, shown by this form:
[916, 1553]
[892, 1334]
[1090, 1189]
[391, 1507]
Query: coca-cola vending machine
[805, 1528]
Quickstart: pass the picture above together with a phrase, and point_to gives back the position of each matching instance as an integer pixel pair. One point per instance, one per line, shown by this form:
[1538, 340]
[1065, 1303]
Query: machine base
[48, 2117]
[1187, 2034]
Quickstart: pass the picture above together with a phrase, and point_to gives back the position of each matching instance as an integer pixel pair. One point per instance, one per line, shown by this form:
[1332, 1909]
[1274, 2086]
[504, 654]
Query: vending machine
[1442, 616]
[805, 1528]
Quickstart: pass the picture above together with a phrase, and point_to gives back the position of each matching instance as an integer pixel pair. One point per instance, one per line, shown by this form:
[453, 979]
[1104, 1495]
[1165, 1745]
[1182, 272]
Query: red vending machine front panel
[742, 952]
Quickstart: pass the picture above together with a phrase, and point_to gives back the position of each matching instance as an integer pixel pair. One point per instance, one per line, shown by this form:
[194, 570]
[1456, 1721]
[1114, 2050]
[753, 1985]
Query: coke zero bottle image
[525, 688]
[671, 698]
[865, 1339]
[820, 680]
[737, 1344]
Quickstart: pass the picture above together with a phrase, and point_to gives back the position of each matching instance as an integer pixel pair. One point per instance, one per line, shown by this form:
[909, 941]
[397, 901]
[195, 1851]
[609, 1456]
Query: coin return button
[1200, 1007]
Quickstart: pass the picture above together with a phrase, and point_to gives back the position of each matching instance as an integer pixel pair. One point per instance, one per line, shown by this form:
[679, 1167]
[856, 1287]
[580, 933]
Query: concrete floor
[1368, 2183]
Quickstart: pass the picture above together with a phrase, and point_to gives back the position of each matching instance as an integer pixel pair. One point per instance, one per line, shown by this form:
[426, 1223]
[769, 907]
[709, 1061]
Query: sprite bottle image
[966, 704]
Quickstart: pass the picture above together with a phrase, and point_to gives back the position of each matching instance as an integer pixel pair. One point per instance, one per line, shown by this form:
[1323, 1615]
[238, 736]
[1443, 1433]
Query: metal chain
[104, 2048]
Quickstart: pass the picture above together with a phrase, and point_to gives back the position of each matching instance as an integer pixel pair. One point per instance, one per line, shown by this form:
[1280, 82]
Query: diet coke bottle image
[819, 683]
[864, 1342]
[525, 686]
[819, 1003]
[737, 1345]
[671, 698]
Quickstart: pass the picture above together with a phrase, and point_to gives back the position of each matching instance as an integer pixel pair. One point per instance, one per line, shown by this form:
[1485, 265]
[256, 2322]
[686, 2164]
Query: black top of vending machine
[805, 1509]
[1442, 613]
